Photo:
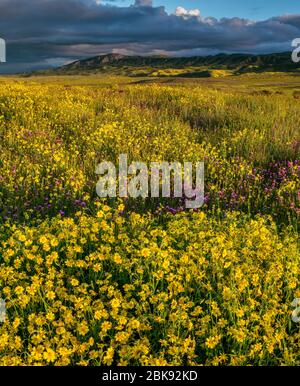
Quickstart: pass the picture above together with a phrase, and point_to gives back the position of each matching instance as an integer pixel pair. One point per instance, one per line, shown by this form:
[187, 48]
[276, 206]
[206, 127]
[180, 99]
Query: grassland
[146, 282]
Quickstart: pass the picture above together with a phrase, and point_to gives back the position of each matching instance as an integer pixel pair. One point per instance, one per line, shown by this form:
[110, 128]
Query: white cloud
[182, 12]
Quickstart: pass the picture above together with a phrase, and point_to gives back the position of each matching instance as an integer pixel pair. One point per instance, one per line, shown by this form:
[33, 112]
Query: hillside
[206, 66]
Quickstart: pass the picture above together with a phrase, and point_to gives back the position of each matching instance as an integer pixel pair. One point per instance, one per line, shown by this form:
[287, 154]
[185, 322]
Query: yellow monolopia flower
[87, 281]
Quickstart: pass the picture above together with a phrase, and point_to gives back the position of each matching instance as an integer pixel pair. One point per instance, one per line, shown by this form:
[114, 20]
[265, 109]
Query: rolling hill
[198, 66]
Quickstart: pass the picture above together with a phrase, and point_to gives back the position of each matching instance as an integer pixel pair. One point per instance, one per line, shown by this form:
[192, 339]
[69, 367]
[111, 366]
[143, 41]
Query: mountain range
[217, 65]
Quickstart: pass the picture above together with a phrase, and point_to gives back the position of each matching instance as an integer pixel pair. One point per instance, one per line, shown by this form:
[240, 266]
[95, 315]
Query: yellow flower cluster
[126, 290]
[144, 282]
[53, 136]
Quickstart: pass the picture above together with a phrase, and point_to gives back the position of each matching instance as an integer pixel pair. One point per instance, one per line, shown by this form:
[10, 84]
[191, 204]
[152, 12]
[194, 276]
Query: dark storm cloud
[41, 33]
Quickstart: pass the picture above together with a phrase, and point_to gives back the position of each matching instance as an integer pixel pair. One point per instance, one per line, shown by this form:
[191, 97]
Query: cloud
[180, 11]
[39, 32]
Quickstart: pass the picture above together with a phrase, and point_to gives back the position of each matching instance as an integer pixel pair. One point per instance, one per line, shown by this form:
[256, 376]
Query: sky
[252, 9]
[45, 33]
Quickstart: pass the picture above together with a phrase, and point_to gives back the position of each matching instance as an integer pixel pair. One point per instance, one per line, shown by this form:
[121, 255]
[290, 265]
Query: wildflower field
[144, 281]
